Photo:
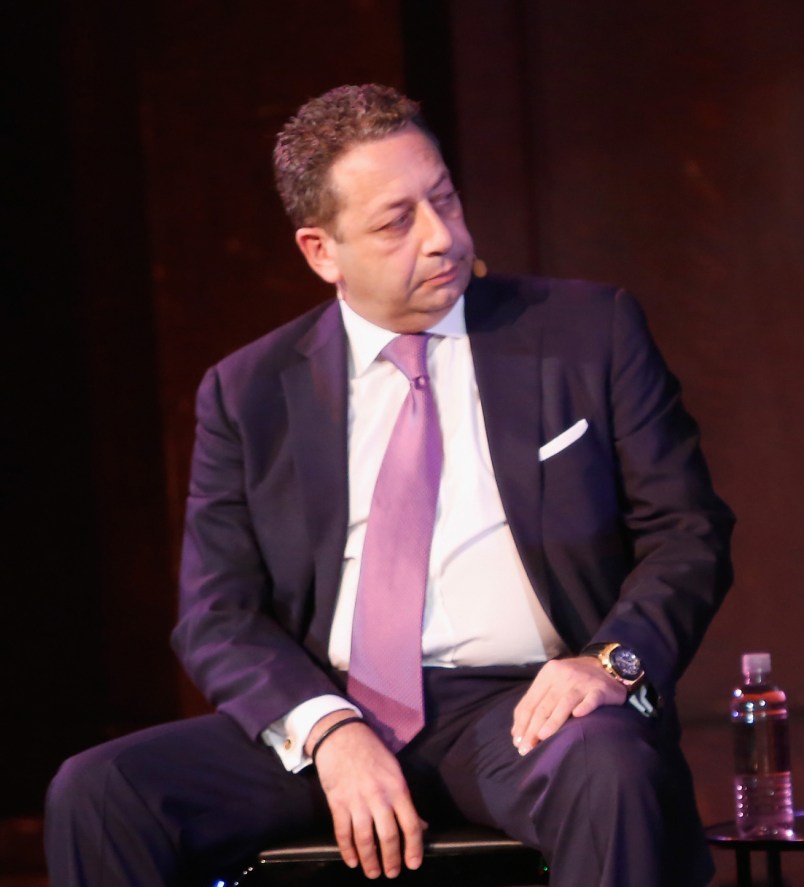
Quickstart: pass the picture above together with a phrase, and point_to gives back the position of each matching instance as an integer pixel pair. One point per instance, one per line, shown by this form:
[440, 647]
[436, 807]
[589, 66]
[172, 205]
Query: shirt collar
[366, 339]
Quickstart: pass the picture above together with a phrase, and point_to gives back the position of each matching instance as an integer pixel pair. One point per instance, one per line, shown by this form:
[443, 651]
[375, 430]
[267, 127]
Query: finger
[387, 831]
[535, 697]
[412, 828]
[342, 826]
[528, 728]
[366, 845]
[558, 716]
[608, 693]
[592, 700]
[525, 712]
[547, 718]
[522, 716]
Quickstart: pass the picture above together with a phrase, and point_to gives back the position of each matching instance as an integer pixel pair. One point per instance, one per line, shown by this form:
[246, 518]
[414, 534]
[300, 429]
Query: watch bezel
[626, 663]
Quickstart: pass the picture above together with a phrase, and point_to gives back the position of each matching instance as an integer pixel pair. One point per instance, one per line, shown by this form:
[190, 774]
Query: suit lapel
[316, 395]
[506, 351]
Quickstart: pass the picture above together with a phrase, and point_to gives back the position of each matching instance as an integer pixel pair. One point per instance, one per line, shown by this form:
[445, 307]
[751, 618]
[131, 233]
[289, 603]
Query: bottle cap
[756, 665]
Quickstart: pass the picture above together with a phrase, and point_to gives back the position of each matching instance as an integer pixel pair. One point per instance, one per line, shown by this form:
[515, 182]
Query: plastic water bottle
[763, 791]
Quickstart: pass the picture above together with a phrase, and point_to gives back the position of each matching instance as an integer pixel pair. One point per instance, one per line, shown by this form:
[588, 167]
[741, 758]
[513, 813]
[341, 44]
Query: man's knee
[79, 786]
[619, 744]
[606, 753]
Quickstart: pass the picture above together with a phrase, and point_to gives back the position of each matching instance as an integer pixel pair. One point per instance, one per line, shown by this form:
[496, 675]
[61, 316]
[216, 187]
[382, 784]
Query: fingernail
[517, 740]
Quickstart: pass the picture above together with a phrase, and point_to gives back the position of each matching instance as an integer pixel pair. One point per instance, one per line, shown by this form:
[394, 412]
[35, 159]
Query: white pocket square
[557, 444]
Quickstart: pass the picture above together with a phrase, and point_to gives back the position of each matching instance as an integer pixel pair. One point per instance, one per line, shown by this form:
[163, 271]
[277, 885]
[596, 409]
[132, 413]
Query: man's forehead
[387, 169]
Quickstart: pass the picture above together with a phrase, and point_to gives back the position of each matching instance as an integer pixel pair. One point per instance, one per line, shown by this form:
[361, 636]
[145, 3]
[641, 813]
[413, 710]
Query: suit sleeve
[227, 638]
[679, 529]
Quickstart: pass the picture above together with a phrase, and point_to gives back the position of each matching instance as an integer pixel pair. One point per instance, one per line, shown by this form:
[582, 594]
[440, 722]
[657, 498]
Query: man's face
[399, 251]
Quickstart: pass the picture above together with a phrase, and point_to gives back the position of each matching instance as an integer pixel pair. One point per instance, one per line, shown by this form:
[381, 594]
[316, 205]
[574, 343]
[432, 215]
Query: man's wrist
[333, 728]
[326, 723]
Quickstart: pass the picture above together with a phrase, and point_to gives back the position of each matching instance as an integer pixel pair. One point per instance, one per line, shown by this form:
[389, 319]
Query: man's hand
[563, 687]
[367, 795]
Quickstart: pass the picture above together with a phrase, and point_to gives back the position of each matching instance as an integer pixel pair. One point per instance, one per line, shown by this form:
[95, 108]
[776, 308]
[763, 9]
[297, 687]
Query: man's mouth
[443, 277]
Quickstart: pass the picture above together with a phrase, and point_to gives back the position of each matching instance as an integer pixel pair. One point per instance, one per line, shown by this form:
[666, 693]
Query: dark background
[656, 145]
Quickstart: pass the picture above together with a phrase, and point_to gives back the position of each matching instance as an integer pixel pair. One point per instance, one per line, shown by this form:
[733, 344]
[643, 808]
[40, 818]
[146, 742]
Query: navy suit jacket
[620, 533]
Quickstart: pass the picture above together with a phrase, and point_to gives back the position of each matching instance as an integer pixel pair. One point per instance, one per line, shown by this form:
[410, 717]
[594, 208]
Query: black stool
[471, 856]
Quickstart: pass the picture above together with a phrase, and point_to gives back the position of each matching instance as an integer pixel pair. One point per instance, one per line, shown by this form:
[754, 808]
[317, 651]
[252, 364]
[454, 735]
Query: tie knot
[408, 353]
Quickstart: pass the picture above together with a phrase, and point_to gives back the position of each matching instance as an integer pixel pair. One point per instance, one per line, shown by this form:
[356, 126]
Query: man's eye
[401, 221]
[446, 200]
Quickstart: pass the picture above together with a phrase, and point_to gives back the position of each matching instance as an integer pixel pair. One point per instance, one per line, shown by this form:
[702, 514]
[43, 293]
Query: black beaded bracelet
[355, 719]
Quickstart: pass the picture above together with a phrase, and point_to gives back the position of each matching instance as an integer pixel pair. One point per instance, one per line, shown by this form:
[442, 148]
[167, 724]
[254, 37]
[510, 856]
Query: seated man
[450, 543]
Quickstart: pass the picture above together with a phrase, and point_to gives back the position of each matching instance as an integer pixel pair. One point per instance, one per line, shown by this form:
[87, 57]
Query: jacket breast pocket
[561, 441]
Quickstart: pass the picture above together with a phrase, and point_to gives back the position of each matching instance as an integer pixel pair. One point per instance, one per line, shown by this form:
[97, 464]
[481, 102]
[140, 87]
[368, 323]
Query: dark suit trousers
[608, 799]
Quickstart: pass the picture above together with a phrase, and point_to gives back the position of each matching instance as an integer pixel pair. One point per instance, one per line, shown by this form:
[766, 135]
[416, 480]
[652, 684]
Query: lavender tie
[385, 671]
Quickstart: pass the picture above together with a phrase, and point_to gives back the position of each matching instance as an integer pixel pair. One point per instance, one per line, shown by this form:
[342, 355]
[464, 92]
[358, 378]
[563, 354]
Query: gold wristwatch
[620, 662]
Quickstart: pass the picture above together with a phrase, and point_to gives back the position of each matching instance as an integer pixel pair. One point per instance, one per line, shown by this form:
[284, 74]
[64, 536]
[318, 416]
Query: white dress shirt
[480, 607]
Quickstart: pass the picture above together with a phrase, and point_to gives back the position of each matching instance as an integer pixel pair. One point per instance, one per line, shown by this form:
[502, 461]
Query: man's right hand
[367, 795]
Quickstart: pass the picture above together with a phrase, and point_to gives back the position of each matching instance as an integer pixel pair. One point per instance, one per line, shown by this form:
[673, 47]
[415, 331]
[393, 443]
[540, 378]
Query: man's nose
[436, 233]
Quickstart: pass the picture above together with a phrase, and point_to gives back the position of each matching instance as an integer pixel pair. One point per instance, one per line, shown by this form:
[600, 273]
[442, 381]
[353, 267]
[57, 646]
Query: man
[570, 553]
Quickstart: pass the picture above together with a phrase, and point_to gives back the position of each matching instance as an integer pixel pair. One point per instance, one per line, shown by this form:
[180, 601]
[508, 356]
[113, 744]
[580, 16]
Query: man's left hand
[562, 688]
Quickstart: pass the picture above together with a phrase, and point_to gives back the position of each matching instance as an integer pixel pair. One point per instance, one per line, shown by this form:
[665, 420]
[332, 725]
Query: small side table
[724, 834]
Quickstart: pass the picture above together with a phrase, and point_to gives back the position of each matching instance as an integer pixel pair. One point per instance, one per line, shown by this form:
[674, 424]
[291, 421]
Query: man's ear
[317, 247]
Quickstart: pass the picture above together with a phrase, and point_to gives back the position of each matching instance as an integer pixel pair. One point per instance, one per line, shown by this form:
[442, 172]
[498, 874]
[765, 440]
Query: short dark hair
[321, 131]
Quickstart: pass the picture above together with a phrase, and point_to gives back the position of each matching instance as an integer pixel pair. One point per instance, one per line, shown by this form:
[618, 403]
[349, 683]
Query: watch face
[626, 663]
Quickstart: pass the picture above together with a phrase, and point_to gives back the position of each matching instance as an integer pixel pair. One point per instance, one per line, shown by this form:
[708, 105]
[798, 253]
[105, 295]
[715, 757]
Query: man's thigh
[609, 788]
[491, 782]
[198, 792]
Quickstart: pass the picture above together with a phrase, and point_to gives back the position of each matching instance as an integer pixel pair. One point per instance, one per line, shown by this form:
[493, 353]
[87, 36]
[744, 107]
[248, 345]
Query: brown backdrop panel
[53, 666]
[215, 89]
[658, 146]
[123, 437]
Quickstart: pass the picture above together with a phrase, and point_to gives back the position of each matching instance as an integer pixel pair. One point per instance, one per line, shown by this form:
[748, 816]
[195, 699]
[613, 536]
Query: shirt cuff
[287, 735]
